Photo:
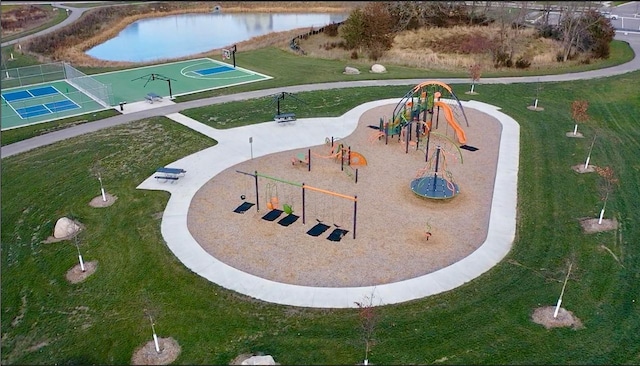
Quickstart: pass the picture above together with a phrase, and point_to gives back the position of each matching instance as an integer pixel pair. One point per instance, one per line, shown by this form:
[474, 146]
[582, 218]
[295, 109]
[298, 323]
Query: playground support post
[308, 160]
[255, 177]
[355, 212]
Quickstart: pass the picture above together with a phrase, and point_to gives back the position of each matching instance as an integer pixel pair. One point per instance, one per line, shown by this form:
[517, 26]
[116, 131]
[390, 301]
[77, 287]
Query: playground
[400, 235]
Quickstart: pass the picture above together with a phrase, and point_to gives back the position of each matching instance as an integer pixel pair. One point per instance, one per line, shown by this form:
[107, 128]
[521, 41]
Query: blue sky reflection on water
[187, 34]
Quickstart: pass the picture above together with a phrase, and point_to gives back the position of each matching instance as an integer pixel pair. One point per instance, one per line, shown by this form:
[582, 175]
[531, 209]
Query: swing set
[275, 212]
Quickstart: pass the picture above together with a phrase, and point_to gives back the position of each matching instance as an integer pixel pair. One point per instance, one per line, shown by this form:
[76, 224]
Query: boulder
[65, 227]
[259, 360]
[351, 70]
[378, 69]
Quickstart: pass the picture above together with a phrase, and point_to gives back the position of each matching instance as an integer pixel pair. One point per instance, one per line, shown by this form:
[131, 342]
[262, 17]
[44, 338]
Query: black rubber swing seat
[272, 215]
[318, 229]
[244, 207]
[337, 234]
[288, 220]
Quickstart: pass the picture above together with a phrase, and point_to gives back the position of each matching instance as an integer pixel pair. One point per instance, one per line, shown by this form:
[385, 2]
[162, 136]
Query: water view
[187, 34]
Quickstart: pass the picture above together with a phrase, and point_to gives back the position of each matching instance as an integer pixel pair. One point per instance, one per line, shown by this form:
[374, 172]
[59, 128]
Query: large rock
[351, 70]
[378, 69]
[259, 360]
[65, 227]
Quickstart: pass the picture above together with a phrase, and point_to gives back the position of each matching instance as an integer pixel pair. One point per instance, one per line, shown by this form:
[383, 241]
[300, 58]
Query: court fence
[29, 75]
[56, 71]
[102, 93]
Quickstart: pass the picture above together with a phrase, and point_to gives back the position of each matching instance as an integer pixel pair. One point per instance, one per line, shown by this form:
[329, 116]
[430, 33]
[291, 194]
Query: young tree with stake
[579, 113]
[97, 171]
[475, 71]
[368, 319]
[606, 187]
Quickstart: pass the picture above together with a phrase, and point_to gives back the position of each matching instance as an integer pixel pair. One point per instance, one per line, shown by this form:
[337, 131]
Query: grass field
[102, 320]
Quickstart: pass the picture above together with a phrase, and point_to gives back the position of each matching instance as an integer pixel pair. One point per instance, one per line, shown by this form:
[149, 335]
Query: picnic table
[285, 117]
[152, 97]
[170, 173]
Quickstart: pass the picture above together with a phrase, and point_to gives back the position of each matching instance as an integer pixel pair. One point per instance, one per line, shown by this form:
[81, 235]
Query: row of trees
[579, 28]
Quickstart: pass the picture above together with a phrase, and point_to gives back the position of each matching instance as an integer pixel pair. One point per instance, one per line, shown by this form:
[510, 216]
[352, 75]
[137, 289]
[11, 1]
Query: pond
[188, 34]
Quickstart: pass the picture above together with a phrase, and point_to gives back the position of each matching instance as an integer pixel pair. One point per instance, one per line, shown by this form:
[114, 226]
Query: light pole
[251, 145]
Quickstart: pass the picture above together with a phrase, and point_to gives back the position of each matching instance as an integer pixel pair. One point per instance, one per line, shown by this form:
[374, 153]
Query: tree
[579, 113]
[353, 29]
[368, 321]
[475, 71]
[608, 183]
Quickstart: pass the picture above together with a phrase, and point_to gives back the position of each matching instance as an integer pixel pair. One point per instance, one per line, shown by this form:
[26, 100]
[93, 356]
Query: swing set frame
[304, 187]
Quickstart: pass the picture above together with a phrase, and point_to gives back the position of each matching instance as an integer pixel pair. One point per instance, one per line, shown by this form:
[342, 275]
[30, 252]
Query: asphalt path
[74, 14]
[632, 38]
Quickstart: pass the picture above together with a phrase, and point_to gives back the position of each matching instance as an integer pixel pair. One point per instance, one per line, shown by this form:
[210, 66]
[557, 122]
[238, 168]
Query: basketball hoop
[226, 54]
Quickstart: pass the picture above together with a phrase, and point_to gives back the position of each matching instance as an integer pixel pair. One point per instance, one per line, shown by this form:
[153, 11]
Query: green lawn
[46, 320]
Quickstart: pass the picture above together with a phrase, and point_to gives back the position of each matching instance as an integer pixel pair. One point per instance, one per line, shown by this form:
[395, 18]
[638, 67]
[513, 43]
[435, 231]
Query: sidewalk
[269, 138]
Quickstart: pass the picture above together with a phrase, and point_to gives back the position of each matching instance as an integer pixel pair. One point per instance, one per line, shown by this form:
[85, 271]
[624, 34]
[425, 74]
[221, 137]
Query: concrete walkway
[272, 137]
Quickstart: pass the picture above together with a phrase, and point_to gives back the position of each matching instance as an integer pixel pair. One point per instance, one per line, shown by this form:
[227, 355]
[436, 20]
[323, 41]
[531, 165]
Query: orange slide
[448, 114]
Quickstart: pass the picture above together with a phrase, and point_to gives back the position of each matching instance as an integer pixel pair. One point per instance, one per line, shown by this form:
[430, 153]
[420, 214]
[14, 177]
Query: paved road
[632, 38]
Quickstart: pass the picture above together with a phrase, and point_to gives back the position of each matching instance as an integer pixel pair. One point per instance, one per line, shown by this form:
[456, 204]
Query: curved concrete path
[273, 137]
[205, 164]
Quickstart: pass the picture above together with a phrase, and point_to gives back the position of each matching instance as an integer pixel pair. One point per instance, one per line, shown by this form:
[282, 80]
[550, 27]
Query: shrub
[331, 30]
[354, 55]
[502, 59]
[522, 63]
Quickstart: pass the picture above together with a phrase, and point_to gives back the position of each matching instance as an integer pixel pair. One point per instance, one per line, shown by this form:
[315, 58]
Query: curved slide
[448, 114]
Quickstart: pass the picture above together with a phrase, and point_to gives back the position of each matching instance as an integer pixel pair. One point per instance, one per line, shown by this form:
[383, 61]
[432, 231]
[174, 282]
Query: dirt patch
[76, 275]
[98, 202]
[581, 169]
[591, 225]
[238, 360]
[565, 318]
[577, 135]
[147, 355]
[534, 108]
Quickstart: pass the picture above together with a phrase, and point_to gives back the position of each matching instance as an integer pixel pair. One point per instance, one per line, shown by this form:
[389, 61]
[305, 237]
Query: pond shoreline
[77, 56]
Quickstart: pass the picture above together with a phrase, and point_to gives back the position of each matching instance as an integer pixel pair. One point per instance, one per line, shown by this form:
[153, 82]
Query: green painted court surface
[128, 86]
[188, 77]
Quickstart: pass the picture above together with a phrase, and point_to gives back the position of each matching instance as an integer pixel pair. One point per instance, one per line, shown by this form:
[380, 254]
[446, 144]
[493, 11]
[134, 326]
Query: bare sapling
[368, 320]
[586, 163]
[97, 171]
[79, 254]
[555, 313]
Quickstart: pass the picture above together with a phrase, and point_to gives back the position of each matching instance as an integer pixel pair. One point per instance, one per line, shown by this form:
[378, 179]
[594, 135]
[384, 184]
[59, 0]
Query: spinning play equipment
[436, 181]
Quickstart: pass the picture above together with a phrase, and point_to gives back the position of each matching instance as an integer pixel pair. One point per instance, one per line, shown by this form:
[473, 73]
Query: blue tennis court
[214, 70]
